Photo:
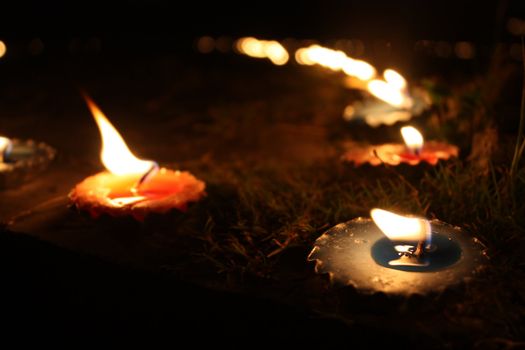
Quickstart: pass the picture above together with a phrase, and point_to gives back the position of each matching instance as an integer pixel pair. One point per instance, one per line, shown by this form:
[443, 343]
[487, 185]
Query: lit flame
[335, 60]
[270, 49]
[3, 48]
[413, 138]
[115, 154]
[392, 89]
[401, 228]
[360, 69]
[386, 92]
[395, 79]
[5, 145]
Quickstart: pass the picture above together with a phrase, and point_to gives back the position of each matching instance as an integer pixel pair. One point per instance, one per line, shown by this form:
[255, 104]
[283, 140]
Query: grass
[262, 209]
[275, 183]
[274, 205]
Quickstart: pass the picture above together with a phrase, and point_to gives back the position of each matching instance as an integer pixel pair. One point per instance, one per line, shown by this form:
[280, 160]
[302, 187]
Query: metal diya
[24, 160]
[357, 253]
[375, 112]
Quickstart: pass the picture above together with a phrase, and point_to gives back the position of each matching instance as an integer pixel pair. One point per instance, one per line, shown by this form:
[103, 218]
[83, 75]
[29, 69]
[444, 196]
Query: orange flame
[115, 154]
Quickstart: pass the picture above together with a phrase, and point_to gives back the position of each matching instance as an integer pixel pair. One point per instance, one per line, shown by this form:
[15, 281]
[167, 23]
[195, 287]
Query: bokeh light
[3, 49]
[205, 44]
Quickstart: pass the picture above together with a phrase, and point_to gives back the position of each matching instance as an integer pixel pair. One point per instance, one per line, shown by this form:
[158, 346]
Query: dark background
[94, 44]
[55, 32]
[481, 21]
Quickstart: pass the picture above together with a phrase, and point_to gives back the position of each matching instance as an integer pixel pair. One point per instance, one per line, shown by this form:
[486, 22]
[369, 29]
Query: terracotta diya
[413, 152]
[132, 186]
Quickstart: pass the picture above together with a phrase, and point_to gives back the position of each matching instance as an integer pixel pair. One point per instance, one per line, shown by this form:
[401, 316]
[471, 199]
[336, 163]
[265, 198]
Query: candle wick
[420, 249]
[414, 150]
[152, 171]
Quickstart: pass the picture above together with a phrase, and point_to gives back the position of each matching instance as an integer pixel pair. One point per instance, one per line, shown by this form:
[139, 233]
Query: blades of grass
[519, 149]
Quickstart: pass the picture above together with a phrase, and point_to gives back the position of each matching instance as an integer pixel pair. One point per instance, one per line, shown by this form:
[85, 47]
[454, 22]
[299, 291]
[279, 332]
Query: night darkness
[268, 142]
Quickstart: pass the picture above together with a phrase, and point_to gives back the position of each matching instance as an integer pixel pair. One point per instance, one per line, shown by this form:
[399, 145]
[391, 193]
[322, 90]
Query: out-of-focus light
[465, 50]
[223, 44]
[392, 90]
[413, 138]
[270, 49]
[205, 44]
[443, 49]
[276, 53]
[395, 79]
[516, 26]
[360, 69]
[425, 46]
[335, 60]
[302, 57]
[36, 46]
[386, 92]
[3, 48]
[349, 112]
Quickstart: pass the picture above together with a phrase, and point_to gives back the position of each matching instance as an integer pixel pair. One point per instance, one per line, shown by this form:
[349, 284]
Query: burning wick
[413, 234]
[413, 139]
[149, 174]
[132, 186]
[5, 148]
[411, 153]
[116, 156]
[392, 89]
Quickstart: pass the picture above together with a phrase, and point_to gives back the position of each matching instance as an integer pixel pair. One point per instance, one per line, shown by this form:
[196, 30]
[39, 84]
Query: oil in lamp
[132, 186]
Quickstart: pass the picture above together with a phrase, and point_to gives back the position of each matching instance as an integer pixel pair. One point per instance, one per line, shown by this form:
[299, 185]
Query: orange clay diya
[413, 152]
[132, 186]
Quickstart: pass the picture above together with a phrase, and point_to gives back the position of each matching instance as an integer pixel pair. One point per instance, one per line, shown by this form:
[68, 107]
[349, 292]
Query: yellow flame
[270, 49]
[392, 90]
[5, 143]
[302, 57]
[360, 69]
[115, 154]
[395, 79]
[386, 92]
[3, 48]
[335, 60]
[401, 228]
[413, 138]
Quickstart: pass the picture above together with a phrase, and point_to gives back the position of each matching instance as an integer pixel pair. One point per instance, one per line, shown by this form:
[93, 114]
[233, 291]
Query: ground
[267, 140]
